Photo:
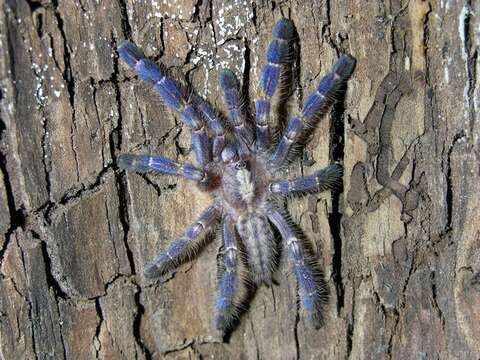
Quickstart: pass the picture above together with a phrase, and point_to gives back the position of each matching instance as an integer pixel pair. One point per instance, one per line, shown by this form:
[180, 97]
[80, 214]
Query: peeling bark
[400, 245]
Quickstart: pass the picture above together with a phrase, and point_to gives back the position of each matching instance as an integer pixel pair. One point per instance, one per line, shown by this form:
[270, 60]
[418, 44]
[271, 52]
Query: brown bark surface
[400, 246]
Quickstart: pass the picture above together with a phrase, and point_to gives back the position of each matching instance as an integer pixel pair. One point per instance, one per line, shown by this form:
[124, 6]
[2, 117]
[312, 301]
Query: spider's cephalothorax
[242, 169]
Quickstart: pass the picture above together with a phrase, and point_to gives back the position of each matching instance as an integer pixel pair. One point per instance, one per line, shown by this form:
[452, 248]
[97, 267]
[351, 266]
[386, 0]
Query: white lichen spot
[407, 63]
[462, 21]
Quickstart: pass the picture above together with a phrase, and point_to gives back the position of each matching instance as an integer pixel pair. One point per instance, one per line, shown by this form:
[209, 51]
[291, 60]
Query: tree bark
[400, 246]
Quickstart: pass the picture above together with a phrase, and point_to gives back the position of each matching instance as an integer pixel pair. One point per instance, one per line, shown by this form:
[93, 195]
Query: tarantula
[241, 167]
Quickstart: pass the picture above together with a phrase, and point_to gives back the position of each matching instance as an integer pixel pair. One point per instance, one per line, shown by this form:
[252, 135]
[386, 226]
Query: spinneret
[244, 175]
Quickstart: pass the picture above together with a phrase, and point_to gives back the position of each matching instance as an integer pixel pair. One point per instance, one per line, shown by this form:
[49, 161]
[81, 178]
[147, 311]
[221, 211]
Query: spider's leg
[317, 104]
[312, 294]
[171, 94]
[159, 164]
[324, 179]
[183, 248]
[236, 112]
[279, 53]
[215, 125]
[226, 309]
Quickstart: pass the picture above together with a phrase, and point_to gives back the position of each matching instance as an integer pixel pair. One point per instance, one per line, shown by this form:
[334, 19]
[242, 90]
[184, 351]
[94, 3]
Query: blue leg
[279, 53]
[236, 114]
[327, 178]
[293, 132]
[214, 124]
[226, 309]
[159, 164]
[316, 105]
[312, 294]
[172, 96]
[183, 248]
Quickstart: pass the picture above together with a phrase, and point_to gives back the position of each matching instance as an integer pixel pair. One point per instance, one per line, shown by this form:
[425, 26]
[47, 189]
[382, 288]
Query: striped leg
[312, 294]
[327, 178]
[183, 248]
[236, 113]
[159, 164]
[226, 309]
[279, 53]
[172, 96]
[316, 105]
[214, 124]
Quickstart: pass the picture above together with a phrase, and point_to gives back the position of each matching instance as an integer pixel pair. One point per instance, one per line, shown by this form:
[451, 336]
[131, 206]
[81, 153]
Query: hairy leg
[316, 105]
[236, 112]
[214, 123]
[324, 179]
[279, 53]
[312, 294]
[159, 164]
[183, 248]
[172, 96]
[226, 309]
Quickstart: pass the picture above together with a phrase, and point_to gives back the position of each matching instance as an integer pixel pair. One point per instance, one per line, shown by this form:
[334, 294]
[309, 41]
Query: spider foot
[226, 311]
[313, 308]
[161, 265]
[225, 319]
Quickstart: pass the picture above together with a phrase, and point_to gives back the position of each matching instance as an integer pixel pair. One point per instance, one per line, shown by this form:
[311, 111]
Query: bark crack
[116, 140]
[470, 58]
[137, 322]
[449, 181]
[337, 148]
[51, 281]
[96, 338]
[51, 208]
[17, 216]
[127, 30]
[351, 327]
[434, 300]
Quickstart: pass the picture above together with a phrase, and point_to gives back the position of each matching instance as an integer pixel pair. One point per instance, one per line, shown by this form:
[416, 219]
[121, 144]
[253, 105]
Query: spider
[241, 166]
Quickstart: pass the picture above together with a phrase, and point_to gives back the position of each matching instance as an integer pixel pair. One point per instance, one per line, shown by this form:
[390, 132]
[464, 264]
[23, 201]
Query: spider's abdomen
[257, 236]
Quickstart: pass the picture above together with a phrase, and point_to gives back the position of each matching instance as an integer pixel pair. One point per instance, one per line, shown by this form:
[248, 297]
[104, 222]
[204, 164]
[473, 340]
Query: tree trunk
[400, 246]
